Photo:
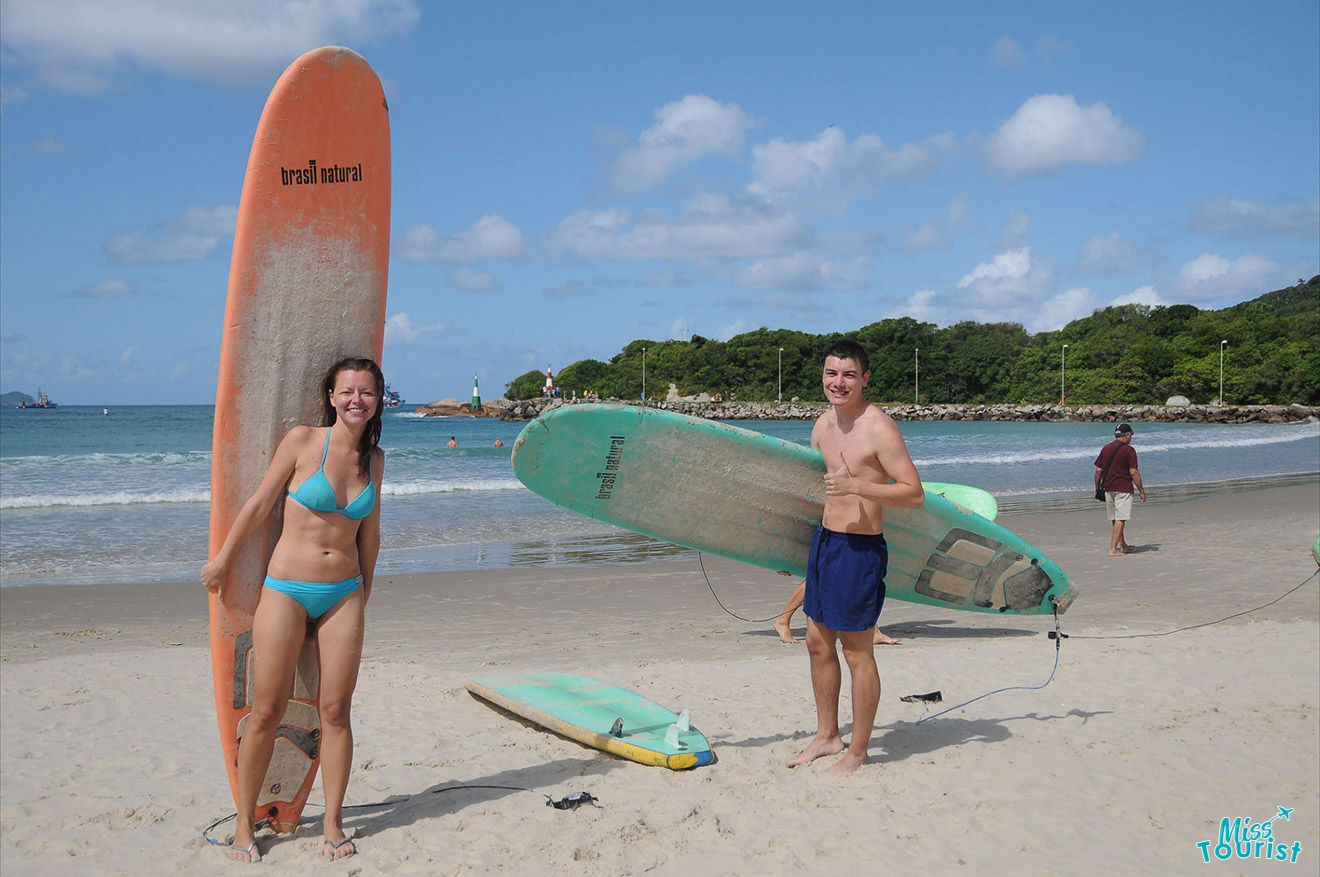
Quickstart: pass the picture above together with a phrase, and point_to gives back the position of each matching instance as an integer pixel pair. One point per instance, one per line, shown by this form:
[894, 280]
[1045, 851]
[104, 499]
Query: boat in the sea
[43, 401]
[392, 397]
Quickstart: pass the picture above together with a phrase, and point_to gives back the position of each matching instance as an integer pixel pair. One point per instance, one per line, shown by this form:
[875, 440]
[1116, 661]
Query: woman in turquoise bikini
[321, 570]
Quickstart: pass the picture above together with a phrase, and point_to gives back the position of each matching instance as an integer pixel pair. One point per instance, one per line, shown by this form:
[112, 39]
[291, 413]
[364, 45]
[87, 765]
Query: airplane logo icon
[1285, 812]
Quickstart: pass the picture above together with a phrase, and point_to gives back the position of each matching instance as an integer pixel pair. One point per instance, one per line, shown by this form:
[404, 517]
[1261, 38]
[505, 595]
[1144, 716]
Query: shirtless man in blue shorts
[864, 452]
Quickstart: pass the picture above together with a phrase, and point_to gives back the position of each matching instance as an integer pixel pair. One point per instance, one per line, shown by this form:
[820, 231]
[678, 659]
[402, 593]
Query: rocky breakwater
[1110, 413]
[454, 408]
[529, 408]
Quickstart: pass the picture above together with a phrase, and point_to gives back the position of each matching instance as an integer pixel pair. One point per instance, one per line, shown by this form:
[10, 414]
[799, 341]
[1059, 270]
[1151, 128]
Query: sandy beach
[1126, 761]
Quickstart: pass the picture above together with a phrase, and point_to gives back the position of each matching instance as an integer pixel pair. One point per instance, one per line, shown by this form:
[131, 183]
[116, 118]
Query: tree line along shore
[1258, 352]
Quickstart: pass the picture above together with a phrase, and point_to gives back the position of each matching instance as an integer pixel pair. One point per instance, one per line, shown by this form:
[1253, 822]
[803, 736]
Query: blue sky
[571, 176]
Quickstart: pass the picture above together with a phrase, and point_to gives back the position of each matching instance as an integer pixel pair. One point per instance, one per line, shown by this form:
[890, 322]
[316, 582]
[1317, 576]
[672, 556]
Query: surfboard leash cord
[706, 576]
[1286, 593]
[1059, 636]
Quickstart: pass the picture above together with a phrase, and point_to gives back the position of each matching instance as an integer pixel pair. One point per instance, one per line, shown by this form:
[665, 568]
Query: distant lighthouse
[476, 395]
[549, 383]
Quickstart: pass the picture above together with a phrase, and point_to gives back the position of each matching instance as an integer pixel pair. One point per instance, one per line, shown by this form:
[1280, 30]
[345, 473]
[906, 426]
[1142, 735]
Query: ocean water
[89, 498]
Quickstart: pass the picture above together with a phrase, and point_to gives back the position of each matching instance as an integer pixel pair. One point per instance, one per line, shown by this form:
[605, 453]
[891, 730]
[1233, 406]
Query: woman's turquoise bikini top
[316, 493]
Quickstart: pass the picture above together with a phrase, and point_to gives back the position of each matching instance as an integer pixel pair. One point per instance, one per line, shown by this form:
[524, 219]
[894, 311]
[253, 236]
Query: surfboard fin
[617, 729]
[671, 738]
[684, 721]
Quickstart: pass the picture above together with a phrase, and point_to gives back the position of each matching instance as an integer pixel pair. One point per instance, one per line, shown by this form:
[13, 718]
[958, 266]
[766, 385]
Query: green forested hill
[1131, 354]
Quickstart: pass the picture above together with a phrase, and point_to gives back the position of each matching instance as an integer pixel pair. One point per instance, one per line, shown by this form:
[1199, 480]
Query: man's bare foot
[1117, 553]
[785, 633]
[849, 763]
[883, 639]
[817, 749]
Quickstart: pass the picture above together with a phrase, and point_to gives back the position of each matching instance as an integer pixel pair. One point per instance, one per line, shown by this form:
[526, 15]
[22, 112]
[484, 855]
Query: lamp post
[643, 374]
[916, 376]
[781, 374]
[1063, 373]
[1222, 345]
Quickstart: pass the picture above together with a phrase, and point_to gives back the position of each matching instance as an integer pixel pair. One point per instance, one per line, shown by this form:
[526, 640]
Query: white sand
[110, 763]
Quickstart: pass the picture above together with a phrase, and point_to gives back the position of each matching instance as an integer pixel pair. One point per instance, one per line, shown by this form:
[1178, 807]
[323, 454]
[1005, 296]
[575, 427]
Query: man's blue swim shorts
[846, 579]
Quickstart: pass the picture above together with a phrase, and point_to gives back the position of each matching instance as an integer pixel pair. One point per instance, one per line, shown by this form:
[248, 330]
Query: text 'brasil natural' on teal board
[758, 499]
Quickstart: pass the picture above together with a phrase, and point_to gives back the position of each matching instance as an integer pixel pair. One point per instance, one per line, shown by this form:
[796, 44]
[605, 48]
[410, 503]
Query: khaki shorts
[1118, 505]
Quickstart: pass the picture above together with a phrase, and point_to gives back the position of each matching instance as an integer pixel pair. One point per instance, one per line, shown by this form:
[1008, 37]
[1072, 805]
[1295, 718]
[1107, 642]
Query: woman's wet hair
[371, 435]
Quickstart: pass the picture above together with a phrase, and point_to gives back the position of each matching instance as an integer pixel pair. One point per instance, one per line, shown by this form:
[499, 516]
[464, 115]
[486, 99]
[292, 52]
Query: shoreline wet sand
[1127, 760]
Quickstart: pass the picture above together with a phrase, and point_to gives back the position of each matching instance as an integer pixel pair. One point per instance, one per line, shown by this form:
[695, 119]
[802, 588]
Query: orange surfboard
[306, 289]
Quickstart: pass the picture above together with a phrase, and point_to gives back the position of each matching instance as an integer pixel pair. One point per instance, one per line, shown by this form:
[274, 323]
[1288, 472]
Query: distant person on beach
[1117, 466]
[452, 443]
[864, 452]
[783, 624]
[321, 570]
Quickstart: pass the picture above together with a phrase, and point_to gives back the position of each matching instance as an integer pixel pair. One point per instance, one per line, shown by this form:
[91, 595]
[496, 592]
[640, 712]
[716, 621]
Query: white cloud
[1142, 295]
[680, 329]
[685, 131]
[1012, 279]
[737, 327]
[1059, 310]
[179, 239]
[115, 287]
[716, 229]
[804, 271]
[831, 170]
[1050, 132]
[923, 306]
[127, 356]
[568, 289]
[1210, 277]
[669, 276]
[399, 329]
[1007, 54]
[1052, 45]
[1113, 253]
[1016, 230]
[90, 46]
[925, 237]
[850, 242]
[934, 234]
[1011, 265]
[959, 215]
[490, 238]
[49, 146]
[1249, 219]
[467, 280]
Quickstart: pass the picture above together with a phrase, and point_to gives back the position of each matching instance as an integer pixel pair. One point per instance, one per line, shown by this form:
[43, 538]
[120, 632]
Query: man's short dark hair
[849, 348]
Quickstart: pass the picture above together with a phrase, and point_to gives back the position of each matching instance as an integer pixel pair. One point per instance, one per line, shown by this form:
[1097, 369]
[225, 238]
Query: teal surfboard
[603, 716]
[974, 499]
[758, 499]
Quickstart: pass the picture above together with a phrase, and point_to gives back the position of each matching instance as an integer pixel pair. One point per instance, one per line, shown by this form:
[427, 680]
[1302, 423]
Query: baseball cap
[1123, 429]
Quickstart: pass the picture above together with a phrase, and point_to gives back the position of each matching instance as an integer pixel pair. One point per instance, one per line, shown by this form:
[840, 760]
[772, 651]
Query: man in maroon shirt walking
[1117, 465]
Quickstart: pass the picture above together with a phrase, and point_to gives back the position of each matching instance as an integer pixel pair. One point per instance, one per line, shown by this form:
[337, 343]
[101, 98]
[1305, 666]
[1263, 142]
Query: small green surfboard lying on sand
[758, 499]
[604, 716]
